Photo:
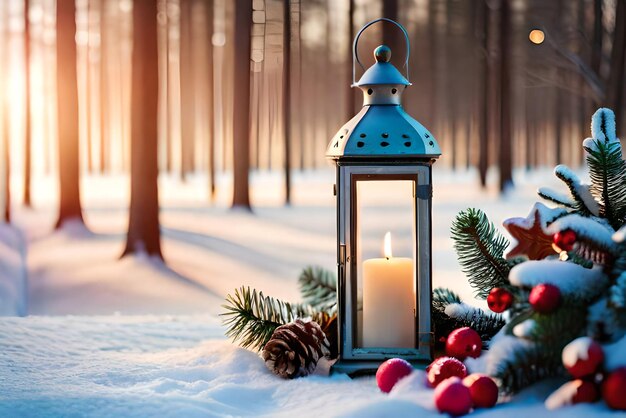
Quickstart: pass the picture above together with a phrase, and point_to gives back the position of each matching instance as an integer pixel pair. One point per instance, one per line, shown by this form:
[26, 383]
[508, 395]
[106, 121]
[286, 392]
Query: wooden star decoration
[532, 240]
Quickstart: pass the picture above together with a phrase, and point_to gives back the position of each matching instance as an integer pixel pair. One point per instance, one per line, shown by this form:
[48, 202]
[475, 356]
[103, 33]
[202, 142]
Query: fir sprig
[251, 317]
[582, 199]
[526, 365]
[318, 288]
[607, 171]
[485, 324]
[480, 249]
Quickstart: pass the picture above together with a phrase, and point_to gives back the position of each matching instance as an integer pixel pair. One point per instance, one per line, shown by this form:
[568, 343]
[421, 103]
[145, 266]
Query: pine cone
[295, 348]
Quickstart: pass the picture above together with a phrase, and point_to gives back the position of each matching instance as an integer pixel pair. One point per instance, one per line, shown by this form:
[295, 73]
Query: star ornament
[532, 239]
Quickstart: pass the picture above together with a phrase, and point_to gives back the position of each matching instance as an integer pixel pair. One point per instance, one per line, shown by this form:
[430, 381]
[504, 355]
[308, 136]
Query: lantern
[383, 187]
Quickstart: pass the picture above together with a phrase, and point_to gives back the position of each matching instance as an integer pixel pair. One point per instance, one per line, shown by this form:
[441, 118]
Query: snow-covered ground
[13, 285]
[134, 337]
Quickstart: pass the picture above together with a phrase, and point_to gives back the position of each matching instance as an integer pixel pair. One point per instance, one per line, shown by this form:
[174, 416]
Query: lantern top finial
[382, 72]
[382, 53]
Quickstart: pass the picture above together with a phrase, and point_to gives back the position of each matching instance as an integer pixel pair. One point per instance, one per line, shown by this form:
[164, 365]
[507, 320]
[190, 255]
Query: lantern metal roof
[382, 128]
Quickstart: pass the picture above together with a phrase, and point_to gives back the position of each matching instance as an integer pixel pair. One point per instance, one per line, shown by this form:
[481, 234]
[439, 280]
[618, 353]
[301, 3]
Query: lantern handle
[355, 53]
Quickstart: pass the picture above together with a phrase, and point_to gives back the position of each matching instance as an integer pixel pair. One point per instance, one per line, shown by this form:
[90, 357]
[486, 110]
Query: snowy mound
[181, 366]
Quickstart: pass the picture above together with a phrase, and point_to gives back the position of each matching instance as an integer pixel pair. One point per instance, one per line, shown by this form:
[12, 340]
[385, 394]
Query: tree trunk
[87, 94]
[350, 96]
[210, 99]
[615, 85]
[506, 171]
[287, 97]
[241, 118]
[104, 88]
[598, 35]
[391, 34]
[143, 225]
[27, 113]
[67, 105]
[187, 108]
[5, 175]
[483, 91]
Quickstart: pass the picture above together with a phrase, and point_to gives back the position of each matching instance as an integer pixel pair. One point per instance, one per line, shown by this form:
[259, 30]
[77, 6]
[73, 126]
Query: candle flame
[387, 245]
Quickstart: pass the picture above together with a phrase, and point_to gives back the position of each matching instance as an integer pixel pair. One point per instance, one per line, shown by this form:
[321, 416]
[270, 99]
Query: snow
[603, 125]
[618, 291]
[564, 395]
[615, 355]
[586, 228]
[180, 366]
[459, 310]
[570, 278]
[134, 337]
[555, 196]
[524, 329]
[546, 216]
[576, 350]
[580, 188]
[620, 235]
[12, 272]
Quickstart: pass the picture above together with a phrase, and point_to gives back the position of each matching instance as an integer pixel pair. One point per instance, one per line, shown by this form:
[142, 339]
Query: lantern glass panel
[385, 264]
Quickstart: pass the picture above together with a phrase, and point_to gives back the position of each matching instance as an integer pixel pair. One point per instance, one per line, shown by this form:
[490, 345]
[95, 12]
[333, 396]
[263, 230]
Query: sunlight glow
[537, 36]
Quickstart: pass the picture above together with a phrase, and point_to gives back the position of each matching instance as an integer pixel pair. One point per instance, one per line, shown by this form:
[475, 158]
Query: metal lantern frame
[382, 143]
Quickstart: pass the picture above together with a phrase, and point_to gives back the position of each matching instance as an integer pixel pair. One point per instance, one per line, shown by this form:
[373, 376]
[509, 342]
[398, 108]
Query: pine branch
[485, 324]
[607, 171]
[558, 328]
[583, 201]
[318, 288]
[251, 317]
[538, 354]
[525, 365]
[555, 197]
[480, 248]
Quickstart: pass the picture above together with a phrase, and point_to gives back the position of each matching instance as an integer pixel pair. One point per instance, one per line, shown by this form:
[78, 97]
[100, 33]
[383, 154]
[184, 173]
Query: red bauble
[582, 357]
[452, 397]
[390, 372]
[499, 300]
[545, 298]
[443, 368]
[614, 389]
[565, 240]
[483, 390]
[463, 342]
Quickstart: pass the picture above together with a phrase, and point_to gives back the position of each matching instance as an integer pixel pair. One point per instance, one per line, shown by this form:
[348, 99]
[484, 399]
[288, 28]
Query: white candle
[388, 301]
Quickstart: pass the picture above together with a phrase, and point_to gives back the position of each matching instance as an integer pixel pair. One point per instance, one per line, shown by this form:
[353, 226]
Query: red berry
[545, 298]
[390, 372]
[445, 367]
[565, 240]
[452, 397]
[582, 357]
[499, 299]
[614, 389]
[463, 342]
[483, 390]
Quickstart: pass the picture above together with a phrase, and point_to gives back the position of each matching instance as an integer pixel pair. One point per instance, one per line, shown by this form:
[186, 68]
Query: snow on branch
[570, 278]
[603, 125]
[620, 235]
[586, 229]
[579, 190]
[615, 355]
[556, 197]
